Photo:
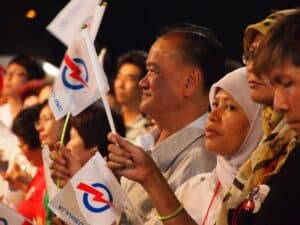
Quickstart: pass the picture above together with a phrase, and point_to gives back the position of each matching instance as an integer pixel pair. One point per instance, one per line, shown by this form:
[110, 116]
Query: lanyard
[217, 188]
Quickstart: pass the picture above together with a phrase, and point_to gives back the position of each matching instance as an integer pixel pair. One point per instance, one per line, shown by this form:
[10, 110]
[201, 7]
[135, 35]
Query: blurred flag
[92, 196]
[76, 86]
[9, 216]
[52, 189]
[69, 20]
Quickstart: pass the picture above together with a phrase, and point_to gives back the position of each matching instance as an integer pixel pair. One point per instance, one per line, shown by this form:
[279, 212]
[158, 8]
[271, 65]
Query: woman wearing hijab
[230, 138]
[233, 130]
[278, 136]
[275, 164]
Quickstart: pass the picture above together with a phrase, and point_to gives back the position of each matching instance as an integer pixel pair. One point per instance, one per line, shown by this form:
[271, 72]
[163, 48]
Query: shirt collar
[165, 152]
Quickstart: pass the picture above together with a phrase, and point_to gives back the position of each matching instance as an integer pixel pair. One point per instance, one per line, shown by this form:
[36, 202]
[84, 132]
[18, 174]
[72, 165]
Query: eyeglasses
[247, 56]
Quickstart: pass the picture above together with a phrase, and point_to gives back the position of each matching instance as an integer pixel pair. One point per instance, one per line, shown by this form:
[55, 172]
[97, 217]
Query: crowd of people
[196, 142]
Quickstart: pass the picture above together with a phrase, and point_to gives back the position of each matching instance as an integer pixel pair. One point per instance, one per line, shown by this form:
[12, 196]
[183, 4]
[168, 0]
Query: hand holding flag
[91, 196]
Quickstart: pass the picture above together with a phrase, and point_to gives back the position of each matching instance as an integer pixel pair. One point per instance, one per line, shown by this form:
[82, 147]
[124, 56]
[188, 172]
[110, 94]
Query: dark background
[131, 24]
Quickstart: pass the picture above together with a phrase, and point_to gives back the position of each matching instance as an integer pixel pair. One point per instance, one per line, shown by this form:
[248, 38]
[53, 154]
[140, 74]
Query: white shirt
[197, 193]
[179, 157]
[6, 117]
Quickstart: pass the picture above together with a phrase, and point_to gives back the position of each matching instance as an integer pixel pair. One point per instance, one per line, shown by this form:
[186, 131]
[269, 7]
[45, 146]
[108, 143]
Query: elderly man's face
[162, 86]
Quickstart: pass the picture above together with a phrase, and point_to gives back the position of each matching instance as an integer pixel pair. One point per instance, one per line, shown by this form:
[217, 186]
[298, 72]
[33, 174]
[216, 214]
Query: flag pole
[62, 139]
[63, 133]
[99, 79]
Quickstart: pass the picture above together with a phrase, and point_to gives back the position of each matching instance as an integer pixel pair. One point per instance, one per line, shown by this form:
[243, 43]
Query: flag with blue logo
[69, 20]
[93, 196]
[77, 86]
[9, 216]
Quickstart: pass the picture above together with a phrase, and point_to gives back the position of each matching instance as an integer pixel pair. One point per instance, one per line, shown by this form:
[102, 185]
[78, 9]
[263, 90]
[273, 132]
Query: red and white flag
[76, 13]
[77, 85]
[9, 216]
[93, 196]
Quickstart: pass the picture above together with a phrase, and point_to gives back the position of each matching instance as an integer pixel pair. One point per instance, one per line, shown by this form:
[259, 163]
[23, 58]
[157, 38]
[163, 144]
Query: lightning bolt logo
[75, 74]
[98, 196]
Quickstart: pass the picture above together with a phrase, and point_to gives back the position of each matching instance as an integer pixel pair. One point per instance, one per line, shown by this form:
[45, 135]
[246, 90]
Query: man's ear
[192, 82]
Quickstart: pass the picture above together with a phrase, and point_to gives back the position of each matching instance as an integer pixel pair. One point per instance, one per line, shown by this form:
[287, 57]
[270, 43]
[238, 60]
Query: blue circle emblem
[80, 63]
[97, 209]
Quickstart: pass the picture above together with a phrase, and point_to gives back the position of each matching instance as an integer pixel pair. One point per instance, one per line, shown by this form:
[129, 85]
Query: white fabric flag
[76, 13]
[9, 216]
[52, 189]
[76, 86]
[93, 196]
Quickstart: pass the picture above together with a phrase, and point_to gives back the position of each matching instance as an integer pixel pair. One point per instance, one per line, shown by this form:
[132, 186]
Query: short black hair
[32, 66]
[200, 47]
[24, 126]
[93, 127]
[135, 57]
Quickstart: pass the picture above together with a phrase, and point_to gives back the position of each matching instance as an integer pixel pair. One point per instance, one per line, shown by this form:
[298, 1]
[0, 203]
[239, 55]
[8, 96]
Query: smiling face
[164, 83]
[287, 93]
[261, 90]
[226, 123]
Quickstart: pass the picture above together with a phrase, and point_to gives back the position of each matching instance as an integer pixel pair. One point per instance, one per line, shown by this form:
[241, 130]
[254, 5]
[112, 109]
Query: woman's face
[77, 147]
[261, 90]
[49, 129]
[227, 125]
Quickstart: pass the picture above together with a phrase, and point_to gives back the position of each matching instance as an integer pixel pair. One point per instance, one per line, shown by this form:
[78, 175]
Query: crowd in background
[207, 140]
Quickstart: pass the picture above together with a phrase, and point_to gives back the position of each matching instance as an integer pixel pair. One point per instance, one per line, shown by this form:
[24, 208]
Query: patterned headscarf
[263, 26]
[275, 147]
[277, 144]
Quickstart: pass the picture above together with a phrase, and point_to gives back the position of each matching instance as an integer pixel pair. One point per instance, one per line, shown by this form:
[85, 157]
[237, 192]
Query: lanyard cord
[217, 188]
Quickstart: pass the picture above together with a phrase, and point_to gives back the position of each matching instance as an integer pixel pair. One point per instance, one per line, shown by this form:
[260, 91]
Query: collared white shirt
[179, 157]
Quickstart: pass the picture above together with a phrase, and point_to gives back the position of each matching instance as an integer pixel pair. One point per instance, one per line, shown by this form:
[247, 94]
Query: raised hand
[129, 160]
[64, 165]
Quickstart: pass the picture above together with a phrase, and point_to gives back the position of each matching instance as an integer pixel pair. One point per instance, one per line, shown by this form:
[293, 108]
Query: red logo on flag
[74, 73]
[98, 196]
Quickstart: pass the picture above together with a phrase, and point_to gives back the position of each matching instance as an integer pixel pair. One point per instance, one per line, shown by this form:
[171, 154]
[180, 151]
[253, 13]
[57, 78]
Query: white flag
[76, 86]
[52, 189]
[69, 20]
[93, 196]
[9, 216]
